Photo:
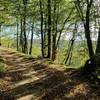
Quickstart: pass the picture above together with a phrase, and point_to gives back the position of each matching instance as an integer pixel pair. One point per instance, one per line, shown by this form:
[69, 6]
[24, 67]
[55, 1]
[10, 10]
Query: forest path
[29, 78]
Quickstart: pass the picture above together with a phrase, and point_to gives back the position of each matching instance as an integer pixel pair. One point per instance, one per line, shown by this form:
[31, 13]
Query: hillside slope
[29, 78]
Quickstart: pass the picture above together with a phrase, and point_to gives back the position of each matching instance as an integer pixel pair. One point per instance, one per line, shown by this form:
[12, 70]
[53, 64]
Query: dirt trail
[29, 78]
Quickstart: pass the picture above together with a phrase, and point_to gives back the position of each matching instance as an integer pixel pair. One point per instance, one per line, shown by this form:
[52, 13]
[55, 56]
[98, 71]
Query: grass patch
[36, 51]
[2, 67]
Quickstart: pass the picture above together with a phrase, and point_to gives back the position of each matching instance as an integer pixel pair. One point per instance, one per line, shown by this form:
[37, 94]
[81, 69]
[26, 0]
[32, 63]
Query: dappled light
[49, 49]
[40, 81]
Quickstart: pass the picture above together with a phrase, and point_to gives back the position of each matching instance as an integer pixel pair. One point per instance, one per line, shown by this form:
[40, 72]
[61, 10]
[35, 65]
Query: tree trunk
[0, 35]
[98, 43]
[31, 43]
[45, 35]
[97, 52]
[21, 35]
[49, 29]
[54, 48]
[24, 27]
[87, 33]
[17, 36]
[54, 35]
[90, 67]
[42, 34]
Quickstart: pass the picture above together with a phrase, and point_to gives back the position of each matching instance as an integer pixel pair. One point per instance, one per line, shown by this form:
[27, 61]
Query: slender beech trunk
[0, 35]
[49, 29]
[87, 32]
[45, 35]
[69, 52]
[98, 43]
[42, 34]
[70, 46]
[54, 35]
[17, 35]
[21, 34]
[97, 52]
[90, 67]
[24, 26]
[31, 42]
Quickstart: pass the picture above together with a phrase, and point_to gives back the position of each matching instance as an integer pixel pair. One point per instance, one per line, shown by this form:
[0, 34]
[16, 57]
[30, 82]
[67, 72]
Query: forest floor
[28, 78]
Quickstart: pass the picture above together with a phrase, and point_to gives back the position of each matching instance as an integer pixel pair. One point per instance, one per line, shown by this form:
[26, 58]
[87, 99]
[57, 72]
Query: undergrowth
[2, 67]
